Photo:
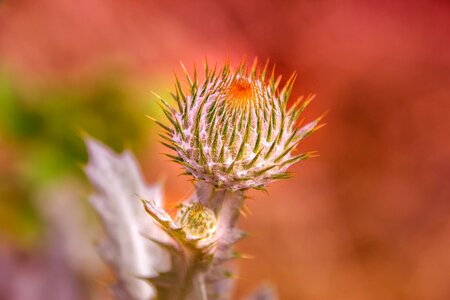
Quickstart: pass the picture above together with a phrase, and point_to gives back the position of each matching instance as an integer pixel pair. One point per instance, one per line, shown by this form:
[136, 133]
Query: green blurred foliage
[41, 133]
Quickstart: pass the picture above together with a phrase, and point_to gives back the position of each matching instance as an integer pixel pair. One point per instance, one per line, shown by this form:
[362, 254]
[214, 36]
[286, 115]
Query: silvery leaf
[118, 186]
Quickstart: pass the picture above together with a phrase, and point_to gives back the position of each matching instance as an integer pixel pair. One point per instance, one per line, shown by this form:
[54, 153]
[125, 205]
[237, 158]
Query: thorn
[322, 115]
[151, 118]
[82, 133]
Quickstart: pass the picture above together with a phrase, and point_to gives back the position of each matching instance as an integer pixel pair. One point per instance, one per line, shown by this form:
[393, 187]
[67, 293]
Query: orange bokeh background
[368, 218]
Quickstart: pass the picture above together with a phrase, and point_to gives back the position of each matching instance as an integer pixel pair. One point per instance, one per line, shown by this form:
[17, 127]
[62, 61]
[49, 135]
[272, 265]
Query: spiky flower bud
[234, 129]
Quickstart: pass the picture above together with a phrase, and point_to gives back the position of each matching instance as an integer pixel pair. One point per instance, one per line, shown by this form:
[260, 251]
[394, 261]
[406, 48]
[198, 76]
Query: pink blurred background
[368, 219]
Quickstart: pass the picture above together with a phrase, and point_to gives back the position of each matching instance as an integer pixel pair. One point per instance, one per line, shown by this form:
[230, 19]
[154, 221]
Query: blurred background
[368, 219]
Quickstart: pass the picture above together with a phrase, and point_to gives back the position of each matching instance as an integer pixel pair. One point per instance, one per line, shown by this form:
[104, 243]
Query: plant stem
[203, 265]
[193, 283]
[200, 287]
[226, 205]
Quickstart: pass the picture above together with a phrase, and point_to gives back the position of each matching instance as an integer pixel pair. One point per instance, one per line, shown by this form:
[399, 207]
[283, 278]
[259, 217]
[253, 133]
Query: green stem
[226, 205]
[200, 287]
[193, 283]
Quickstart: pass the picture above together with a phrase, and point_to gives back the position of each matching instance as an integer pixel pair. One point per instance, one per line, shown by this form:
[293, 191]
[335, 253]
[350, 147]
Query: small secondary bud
[197, 220]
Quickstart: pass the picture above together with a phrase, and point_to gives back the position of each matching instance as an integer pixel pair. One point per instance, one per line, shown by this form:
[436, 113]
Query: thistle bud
[234, 130]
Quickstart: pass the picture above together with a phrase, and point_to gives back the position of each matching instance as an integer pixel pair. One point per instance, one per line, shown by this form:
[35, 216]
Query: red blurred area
[369, 218]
